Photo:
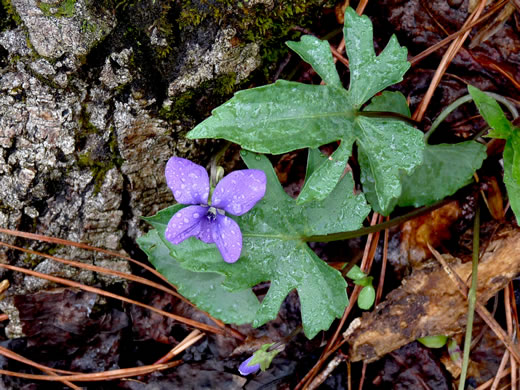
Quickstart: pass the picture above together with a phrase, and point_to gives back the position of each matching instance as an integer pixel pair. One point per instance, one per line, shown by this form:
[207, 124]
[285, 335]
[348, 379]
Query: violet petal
[206, 230]
[239, 191]
[188, 181]
[246, 369]
[228, 238]
[185, 223]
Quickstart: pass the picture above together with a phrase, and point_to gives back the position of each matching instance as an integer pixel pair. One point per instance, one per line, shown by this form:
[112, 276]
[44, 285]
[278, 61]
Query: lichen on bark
[94, 99]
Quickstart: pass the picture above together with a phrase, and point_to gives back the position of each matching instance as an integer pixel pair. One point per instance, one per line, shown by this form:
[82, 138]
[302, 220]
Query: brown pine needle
[101, 270]
[99, 291]
[366, 263]
[96, 376]
[479, 307]
[361, 7]
[38, 237]
[61, 241]
[510, 328]
[446, 60]
[188, 341]
[419, 57]
[488, 383]
[19, 358]
[51, 371]
[381, 283]
[501, 369]
[337, 55]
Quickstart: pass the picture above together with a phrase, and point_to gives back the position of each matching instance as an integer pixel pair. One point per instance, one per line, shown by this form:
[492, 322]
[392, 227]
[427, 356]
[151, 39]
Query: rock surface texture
[94, 98]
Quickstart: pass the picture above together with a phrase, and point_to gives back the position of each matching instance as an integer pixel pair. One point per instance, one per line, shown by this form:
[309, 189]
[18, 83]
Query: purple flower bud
[236, 194]
[246, 369]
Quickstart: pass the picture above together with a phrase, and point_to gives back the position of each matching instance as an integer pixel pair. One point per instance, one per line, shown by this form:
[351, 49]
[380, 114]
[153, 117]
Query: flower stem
[372, 229]
[462, 100]
[387, 114]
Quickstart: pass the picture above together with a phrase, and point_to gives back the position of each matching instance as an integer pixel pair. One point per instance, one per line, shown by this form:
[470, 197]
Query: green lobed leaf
[286, 116]
[387, 148]
[314, 159]
[512, 181]
[280, 117]
[492, 113]
[445, 169]
[502, 128]
[369, 73]
[391, 102]
[324, 178]
[317, 54]
[203, 289]
[273, 250]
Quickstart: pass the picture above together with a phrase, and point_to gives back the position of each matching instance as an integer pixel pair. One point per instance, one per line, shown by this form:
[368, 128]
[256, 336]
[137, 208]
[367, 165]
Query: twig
[319, 379]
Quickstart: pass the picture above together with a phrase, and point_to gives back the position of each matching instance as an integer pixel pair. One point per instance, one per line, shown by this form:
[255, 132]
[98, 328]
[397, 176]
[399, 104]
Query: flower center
[212, 213]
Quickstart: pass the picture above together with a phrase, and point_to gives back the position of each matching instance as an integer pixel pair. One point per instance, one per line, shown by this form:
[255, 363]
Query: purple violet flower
[236, 194]
[246, 369]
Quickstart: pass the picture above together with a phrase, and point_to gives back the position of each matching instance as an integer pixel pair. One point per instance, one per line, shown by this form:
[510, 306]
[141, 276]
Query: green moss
[98, 165]
[60, 9]
[54, 249]
[268, 26]
[98, 169]
[8, 16]
[183, 107]
[179, 106]
[86, 126]
[29, 260]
